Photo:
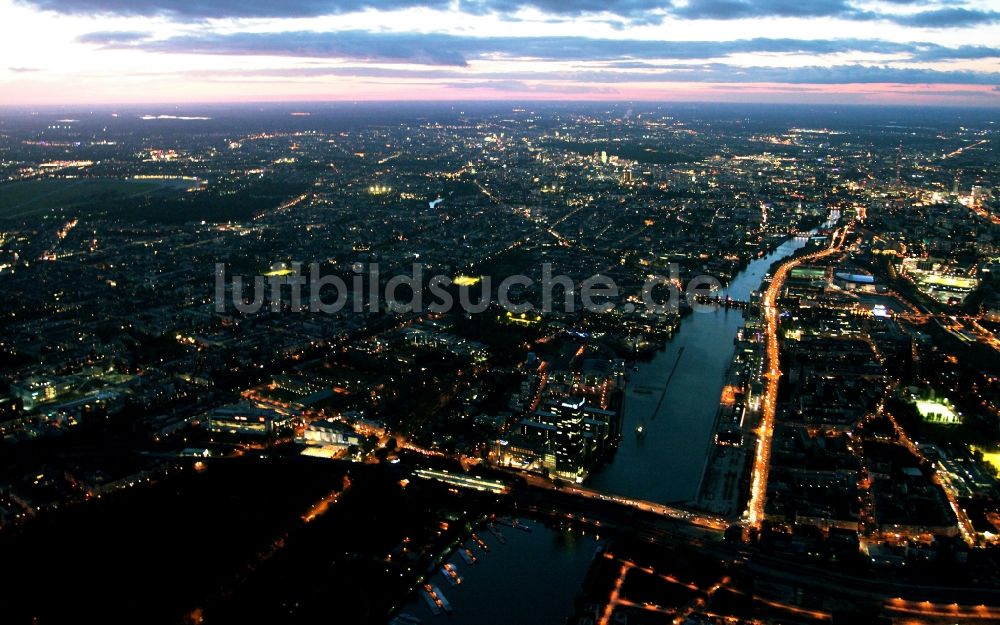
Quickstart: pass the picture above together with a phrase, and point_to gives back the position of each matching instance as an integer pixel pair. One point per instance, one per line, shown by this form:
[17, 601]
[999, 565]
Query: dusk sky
[826, 51]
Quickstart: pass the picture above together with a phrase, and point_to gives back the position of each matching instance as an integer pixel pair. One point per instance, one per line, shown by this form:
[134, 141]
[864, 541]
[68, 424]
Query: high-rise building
[572, 434]
[568, 444]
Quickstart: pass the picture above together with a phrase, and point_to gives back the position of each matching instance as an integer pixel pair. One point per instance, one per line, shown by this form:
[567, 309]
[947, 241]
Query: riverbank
[666, 463]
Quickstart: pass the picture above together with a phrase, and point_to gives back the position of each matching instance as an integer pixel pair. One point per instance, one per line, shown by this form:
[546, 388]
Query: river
[666, 465]
[533, 578]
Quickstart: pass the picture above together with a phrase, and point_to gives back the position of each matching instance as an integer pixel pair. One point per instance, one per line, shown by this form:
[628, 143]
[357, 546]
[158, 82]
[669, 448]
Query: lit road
[985, 214]
[951, 612]
[964, 148]
[702, 596]
[695, 518]
[940, 477]
[699, 519]
[693, 528]
[762, 458]
[292, 203]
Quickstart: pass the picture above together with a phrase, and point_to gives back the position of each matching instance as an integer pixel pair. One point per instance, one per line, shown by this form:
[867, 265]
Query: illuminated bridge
[463, 480]
[724, 302]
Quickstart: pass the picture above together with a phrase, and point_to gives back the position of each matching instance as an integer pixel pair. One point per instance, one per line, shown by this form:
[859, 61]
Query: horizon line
[32, 107]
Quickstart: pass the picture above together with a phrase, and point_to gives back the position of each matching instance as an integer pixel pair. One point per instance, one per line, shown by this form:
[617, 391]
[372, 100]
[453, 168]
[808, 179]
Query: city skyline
[171, 51]
[408, 363]
[493, 312]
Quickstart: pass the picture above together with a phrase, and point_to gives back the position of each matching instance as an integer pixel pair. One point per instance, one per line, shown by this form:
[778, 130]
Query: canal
[666, 464]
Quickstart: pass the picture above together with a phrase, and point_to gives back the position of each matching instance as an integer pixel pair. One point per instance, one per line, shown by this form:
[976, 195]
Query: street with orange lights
[758, 489]
[702, 520]
[616, 599]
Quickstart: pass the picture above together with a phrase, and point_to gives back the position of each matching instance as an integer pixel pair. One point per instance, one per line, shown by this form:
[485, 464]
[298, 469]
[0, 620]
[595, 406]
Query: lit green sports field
[937, 411]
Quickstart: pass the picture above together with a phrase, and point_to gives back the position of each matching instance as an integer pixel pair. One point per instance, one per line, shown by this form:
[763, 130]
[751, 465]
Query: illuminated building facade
[564, 438]
[246, 418]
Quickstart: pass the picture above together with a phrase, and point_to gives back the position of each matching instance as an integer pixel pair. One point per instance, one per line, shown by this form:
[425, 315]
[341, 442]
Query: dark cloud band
[457, 50]
[700, 73]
